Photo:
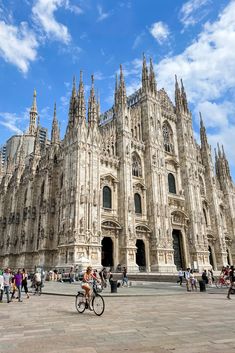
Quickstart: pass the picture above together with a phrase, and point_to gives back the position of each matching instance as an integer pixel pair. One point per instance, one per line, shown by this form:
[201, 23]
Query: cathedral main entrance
[177, 246]
[140, 255]
[107, 252]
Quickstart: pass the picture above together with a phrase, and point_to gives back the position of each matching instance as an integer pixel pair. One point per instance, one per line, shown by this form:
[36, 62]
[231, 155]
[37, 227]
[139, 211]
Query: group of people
[227, 274]
[12, 283]
[191, 280]
[107, 277]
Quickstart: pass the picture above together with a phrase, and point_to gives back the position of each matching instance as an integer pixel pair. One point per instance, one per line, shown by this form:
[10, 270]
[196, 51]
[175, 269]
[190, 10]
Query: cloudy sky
[43, 43]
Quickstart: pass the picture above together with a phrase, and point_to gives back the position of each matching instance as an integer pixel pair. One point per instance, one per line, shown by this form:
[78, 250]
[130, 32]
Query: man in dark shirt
[232, 280]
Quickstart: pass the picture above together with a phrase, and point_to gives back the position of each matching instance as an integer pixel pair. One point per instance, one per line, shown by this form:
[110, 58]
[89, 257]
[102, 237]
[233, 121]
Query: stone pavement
[187, 322]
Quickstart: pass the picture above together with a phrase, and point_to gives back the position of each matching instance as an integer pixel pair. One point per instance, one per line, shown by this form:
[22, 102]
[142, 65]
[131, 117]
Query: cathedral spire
[81, 100]
[122, 89]
[184, 98]
[33, 115]
[145, 78]
[178, 100]
[116, 91]
[92, 105]
[203, 135]
[72, 105]
[152, 79]
[55, 132]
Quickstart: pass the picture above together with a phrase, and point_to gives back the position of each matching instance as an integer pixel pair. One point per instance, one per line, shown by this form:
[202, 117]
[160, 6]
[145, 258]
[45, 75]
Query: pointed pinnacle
[34, 105]
[81, 74]
[55, 110]
[201, 120]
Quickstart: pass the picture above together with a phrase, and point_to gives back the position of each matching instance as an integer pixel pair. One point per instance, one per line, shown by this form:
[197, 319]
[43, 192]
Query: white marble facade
[130, 186]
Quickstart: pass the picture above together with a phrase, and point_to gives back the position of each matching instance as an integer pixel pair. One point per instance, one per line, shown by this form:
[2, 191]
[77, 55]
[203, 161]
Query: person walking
[1, 285]
[187, 276]
[232, 280]
[180, 275]
[6, 283]
[124, 277]
[18, 283]
[205, 277]
[25, 282]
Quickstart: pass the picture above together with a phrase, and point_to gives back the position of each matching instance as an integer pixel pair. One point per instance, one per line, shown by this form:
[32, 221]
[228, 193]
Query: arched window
[205, 217]
[167, 137]
[138, 208]
[107, 197]
[171, 183]
[136, 165]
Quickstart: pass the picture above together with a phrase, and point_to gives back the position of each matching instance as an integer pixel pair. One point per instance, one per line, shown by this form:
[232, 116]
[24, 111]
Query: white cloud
[207, 65]
[11, 122]
[18, 45]
[189, 14]
[138, 40]
[208, 70]
[102, 15]
[160, 31]
[43, 12]
[73, 8]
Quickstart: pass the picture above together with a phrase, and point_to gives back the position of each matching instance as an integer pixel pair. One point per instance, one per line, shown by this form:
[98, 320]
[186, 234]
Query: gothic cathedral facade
[130, 186]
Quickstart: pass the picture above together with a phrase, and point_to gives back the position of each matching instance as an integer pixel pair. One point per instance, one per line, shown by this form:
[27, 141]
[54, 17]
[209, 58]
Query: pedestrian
[187, 279]
[6, 283]
[25, 282]
[205, 277]
[103, 277]
[37, 281]
[71, 275]
[180, 275]
[1, 285]
[232, 280]
[193, 281]
[18, 283]
[124, 277]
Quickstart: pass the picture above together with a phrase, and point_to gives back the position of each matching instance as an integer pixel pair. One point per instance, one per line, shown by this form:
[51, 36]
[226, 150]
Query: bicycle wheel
[80, 303]
[98, 305]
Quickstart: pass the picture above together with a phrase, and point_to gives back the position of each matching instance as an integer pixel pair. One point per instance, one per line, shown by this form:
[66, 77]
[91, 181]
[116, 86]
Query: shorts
[86, 286]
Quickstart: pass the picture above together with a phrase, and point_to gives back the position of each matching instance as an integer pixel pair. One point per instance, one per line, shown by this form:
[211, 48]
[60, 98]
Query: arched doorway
[107, 252]
[178, 246]
[140, 255]
[211, 257]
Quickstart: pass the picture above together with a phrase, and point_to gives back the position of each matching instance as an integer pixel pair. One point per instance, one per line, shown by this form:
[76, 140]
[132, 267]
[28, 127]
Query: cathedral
[127, 187]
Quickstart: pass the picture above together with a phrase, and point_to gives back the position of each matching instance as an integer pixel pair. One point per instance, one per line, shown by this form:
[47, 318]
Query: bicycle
[222, 282]
[95, 304]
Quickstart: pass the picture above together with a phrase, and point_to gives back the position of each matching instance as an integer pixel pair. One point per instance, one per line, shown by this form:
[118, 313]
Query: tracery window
[138, 207]
[171, 183]
[167, 137]
[136, 165]
[107, 197]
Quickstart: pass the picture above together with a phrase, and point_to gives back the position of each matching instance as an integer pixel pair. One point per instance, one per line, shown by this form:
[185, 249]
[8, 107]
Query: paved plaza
[144, 318]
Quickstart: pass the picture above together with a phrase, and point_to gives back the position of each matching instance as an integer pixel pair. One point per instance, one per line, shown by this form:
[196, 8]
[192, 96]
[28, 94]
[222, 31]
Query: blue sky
[43, 43]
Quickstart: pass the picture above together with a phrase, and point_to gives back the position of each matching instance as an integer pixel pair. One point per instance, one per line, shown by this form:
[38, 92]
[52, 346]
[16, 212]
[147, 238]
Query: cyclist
[88, 278]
